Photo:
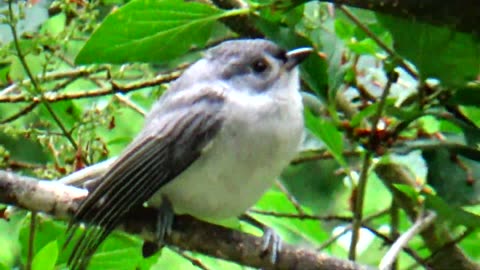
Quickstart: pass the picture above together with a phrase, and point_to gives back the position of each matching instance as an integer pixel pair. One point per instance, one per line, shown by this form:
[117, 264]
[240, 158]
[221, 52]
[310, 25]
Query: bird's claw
[272, 244]
[164, 221]
[163, 228]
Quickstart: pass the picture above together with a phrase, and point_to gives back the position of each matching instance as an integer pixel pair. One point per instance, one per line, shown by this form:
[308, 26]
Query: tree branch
[435, 236]
[60, 200]
[102, 91]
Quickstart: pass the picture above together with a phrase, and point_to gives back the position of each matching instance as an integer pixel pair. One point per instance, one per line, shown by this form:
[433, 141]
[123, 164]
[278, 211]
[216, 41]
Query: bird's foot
[272, 243]
[163, 228]
[164, 221]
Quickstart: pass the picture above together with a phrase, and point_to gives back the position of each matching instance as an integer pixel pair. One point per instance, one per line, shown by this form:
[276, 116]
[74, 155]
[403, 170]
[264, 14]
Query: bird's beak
[296, 56]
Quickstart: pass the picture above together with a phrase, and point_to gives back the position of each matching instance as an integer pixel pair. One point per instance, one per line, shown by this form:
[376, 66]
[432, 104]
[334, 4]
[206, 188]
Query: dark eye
[259, 66]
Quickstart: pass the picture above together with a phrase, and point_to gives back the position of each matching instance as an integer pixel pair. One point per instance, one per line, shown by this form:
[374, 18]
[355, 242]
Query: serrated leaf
[150, 31]
[46, 258]
[328, 133]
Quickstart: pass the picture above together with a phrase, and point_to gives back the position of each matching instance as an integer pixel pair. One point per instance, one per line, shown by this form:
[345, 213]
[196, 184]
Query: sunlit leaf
[328, 133]
[46, 258]
[150, 31]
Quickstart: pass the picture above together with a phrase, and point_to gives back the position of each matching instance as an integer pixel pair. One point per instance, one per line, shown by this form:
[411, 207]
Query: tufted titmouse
[211, 145]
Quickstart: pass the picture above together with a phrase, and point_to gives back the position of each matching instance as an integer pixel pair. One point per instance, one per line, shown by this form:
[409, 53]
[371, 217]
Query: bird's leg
[161, 218]
[164, 223]
[165, 216]
[272, 243]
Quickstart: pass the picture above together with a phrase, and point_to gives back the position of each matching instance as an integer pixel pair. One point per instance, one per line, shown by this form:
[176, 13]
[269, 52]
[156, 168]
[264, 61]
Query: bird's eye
[259, 66]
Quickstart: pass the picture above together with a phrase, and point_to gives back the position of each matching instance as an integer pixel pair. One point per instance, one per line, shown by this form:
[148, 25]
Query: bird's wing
[172, 139]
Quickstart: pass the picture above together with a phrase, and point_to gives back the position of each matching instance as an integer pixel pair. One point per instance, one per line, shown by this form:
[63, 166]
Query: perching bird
[211, 145]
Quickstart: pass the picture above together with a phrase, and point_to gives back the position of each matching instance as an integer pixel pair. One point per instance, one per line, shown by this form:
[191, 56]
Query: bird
[211, 145]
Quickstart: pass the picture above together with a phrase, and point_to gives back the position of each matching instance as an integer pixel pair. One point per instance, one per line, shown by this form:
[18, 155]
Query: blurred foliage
[59, 120]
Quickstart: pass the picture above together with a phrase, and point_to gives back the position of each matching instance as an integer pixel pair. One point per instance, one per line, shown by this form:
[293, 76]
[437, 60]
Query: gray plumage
[211, 145]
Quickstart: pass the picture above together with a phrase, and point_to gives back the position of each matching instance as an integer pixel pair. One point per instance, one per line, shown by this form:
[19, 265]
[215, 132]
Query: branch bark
[436, 237]
[60, 200]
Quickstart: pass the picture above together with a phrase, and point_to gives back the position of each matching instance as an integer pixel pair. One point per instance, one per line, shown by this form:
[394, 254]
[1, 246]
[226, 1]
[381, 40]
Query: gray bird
[211, 145]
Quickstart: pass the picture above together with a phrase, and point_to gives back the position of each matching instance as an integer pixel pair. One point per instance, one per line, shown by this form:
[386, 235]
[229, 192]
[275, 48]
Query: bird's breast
[256, 142]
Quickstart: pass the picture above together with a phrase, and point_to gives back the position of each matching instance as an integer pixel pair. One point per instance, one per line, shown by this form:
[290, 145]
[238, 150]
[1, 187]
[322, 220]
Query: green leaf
[343, 29]
[119, 251]
[469, 95]
[9, 232]
[364, 114]
[451, 175]
[328, 133]
[47, 232]
[54, 25]
[454, 215]
[366, 46]
[68, 113]
[334, 48]
[407, 190]
[151, 31]
[46, 258]
[438, 52]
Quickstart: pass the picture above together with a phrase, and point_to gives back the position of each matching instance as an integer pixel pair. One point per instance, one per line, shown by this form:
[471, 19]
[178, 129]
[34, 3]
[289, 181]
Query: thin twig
[334, 238]
[123, 99]
[16, 164]
[454, 241]
[362, 182]
[358, 205]
[31, 240]
[58, 75]
[196, 262]
[301, 216]
[392, 77]
[20, 113]
[379, 42]
[321, 156]
[290, 197]
[36, 86]
[389, 241]
[394, 224]
[102, 91]
[349, 227]
[390, 257]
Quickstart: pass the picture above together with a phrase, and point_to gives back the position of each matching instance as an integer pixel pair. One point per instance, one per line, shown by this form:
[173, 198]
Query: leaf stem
[36, 86]
[358, 205]
[235, 12]
[31, 240]
[380, 43]
[367, 159]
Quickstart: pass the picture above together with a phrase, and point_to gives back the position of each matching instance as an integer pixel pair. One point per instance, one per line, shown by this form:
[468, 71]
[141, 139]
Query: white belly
[239, 165]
